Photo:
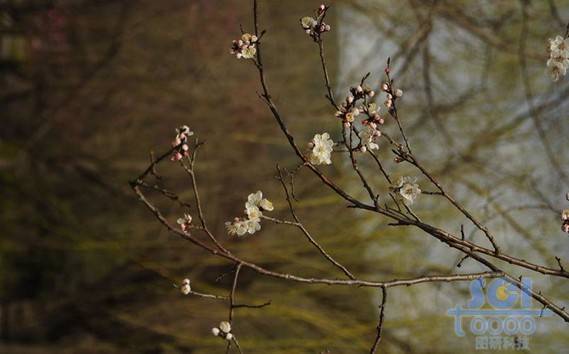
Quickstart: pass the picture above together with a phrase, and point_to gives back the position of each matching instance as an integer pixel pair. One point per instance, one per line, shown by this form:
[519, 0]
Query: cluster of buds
[186, 288]
[180, 143]
[371, 127]
[246, 47]
[391, 94]
[565, 218]
[223, 330]
[348, 111]
[315, 26]
[185, 222]
[558, 61]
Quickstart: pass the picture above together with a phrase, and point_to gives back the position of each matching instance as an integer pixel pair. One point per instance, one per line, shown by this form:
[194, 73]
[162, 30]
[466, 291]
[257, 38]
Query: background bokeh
[89, 88]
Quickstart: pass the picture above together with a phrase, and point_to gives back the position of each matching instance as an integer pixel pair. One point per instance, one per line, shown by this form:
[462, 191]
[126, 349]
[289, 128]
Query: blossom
[246, 47]
[223, 330]
[351, 115]
[369, 135]
[237, 227]
[225, 326]
[180, 143]
[388, 101]
[253, 212]
[256, 200]
[565, 219]
[558, 61]
[408, 189]
[307, 22]
[186, 288]
[321, 149]
[252, 225]
[315, 26]
[185, 222]
[254, 207]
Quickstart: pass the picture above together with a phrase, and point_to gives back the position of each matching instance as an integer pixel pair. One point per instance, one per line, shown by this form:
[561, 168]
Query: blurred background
[88, 88]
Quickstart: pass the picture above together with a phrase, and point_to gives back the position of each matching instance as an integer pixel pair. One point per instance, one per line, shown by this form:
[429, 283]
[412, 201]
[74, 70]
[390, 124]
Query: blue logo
[500, 314]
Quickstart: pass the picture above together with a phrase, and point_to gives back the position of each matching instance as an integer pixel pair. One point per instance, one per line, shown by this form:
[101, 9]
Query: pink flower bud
[565, 227]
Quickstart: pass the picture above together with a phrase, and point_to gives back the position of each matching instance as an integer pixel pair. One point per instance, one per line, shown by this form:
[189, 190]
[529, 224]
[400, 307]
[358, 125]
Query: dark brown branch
[380, 322]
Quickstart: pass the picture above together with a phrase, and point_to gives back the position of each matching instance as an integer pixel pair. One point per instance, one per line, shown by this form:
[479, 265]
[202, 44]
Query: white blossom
[229, 336]
[186, 288]
[237, 227]
[368, 136]
[185, 222]
[256, 200]
[321, 149]
[307, 22]
[248, 52]
[215, 331]
[252, 225]
[408, 189]
[254, 208]
[265, 204]
[225, 326]
[558, 61]
[246, 47]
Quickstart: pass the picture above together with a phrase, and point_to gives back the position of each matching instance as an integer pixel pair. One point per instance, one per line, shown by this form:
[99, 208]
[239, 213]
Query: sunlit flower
[321, 149]
[565, 219]
[185, 222]
[237, 227]
[368, 135]
[307, 22]
[223, 330]
[558, 61]
[246, 47]
[256, 199]
[253, 212]
[408, 189]
[252, 225]
[225, 326]
[556, 68]
[186, 288]
[265, 204]
[315, 26]
[254, 208]
[352, 114]
[248, 52]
